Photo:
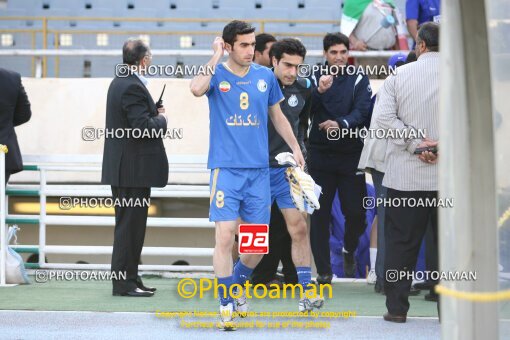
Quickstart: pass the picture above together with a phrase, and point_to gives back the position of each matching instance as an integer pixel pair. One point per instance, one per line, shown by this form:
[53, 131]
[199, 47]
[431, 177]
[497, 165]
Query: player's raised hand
[218, 45]
[325, 83]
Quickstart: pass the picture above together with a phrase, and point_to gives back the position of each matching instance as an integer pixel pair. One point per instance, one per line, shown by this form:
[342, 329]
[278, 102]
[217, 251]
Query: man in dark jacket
[132, 165]
[14, 111]
[340, 103]
[286, 55]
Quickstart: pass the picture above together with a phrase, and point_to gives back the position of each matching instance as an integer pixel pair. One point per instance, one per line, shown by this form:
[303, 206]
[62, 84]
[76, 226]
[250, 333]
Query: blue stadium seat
[25, 4]
[59, 24]
[331, 4]
[268, 13]
[65, 4]
[228, 13]
[159, 5]
[234, 4]
[143, 13]
[91, 5]
[178, 4]
[98, 12]
[288, 4]
[317, 13]
[298, 28]
[15, 24]
[95, 24]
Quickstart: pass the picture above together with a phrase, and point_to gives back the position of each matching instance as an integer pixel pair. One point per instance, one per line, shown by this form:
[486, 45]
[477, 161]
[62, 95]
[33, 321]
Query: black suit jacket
[128, 161]
[14, 111]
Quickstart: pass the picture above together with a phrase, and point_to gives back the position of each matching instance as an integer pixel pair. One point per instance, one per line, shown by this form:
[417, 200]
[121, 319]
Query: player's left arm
[284, 129]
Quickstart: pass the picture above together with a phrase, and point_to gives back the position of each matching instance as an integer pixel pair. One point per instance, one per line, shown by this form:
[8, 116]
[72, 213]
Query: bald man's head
[133, 51]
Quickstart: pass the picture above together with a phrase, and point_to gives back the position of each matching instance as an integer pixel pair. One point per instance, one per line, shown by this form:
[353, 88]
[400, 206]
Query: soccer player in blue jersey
[241, 97]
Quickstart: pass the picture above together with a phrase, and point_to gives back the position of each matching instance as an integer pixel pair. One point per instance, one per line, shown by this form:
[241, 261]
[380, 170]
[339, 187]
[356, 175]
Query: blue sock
[304, 275]
[241, 273]
[223, 294]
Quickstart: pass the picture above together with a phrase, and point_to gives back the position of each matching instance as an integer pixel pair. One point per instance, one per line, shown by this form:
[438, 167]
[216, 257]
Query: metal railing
[42, 164]
[46, 30]
[39, 56]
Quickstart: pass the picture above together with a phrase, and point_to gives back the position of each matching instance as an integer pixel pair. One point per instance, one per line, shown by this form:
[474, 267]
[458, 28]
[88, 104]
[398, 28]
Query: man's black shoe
[426, 285]
[379, 287]
[395, 318]
[136, 293]
[432, 296]
[349, 265]
[324, 279]
[140, 285]
[414, 291]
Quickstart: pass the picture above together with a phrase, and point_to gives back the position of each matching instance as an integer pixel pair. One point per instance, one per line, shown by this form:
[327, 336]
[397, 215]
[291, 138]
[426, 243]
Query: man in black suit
[132, 165]
[14, 111]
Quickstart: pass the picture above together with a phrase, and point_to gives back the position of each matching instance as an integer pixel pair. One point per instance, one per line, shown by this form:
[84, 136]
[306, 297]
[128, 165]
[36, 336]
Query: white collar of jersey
[230, 70]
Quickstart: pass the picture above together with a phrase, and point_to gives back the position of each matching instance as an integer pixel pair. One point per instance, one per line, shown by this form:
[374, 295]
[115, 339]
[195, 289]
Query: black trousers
[431, 251]
[404, 229]
[280, 244]
[129, 235]
[351, 191]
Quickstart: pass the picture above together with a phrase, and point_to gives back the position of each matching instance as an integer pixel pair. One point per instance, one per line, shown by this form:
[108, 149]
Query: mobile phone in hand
[432, 149]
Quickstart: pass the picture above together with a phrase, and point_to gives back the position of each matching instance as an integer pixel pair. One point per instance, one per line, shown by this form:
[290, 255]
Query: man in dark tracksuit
[340, 102]
[286, 55]
[296, 108]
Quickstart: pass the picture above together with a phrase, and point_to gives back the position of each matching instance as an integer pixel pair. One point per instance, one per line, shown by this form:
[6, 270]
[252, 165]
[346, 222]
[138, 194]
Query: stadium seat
[323, 3]
[268, 13]
[187, 4]
[91, 5]
[59, 24]
[164, 9]
[290, 5]
[317, 13]
[298, 28]
[65, 4]
[6, 24]
[24, 4]
[227, 13]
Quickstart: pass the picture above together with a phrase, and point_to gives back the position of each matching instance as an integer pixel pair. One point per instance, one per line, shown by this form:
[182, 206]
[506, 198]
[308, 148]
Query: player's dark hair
[133, 51]
[429, 34]
[261, 41]
[235, 28]
[332, 39]
[288, 46]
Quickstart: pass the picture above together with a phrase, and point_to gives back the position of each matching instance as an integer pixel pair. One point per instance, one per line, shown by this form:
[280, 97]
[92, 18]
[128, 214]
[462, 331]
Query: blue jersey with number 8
[238, 115]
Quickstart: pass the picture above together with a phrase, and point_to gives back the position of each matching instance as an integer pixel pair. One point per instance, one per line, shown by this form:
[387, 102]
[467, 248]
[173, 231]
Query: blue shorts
[280, 188]
[237, 192]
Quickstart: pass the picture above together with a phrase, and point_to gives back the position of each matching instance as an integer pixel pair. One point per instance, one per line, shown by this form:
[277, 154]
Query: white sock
[373, 256]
